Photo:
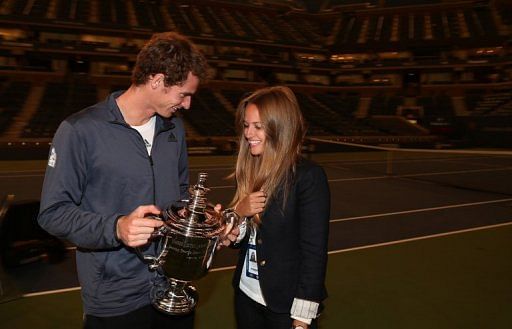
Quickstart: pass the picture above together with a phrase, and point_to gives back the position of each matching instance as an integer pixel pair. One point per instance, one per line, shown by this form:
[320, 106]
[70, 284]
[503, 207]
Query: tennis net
[480, 170]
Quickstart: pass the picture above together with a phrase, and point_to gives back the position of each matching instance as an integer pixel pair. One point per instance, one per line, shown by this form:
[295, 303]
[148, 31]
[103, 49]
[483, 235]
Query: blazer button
[262, 263]
[259, 241]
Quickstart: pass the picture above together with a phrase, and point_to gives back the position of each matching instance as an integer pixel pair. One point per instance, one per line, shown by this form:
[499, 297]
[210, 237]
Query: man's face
[170, 99]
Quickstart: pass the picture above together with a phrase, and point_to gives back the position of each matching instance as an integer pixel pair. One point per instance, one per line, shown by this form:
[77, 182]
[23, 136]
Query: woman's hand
[252, 204]
[227, 240]
[300, 324]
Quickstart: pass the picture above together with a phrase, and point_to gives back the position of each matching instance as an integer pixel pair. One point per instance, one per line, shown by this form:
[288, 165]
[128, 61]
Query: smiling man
[111, 167]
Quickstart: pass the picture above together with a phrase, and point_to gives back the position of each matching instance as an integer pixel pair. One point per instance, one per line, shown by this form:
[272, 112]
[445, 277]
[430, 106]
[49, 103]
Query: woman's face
[254, 131]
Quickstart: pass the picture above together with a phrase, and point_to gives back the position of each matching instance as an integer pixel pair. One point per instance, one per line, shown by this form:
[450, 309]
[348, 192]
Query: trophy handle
[231, 219]
[152, 261]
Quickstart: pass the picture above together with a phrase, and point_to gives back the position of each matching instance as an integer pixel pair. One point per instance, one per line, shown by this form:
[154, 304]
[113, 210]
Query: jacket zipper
[152, 177]
[150, 158]
[157, 132]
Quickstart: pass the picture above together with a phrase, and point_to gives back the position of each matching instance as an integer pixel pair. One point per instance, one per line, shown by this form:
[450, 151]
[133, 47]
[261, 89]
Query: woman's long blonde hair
[284, 128]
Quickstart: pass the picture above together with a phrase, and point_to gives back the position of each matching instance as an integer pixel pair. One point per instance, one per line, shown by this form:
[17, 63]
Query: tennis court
[417, 240]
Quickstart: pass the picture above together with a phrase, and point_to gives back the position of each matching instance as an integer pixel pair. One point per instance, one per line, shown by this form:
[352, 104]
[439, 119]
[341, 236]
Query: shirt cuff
[243, 229]
[304, 310]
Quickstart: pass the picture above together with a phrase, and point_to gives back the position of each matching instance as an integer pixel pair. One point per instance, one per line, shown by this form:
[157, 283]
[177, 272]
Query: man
[111, 167]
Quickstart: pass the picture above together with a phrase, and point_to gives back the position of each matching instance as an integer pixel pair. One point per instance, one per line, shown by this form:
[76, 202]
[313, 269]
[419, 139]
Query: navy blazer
[291, 245]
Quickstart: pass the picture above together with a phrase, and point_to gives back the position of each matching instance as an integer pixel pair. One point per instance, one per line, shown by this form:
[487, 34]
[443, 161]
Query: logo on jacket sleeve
[53, 158]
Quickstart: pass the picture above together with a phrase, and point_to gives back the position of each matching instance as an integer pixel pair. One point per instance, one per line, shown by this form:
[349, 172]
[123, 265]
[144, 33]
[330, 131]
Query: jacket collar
[115, 115]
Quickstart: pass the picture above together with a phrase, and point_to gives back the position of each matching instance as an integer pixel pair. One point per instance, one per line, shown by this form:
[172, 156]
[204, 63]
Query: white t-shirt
[147, 131]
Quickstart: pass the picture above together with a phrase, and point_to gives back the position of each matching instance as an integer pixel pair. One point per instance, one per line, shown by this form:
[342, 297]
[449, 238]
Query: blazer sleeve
[314, 213]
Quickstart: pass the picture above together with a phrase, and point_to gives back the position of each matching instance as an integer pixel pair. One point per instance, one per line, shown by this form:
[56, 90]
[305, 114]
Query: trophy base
[179, 298]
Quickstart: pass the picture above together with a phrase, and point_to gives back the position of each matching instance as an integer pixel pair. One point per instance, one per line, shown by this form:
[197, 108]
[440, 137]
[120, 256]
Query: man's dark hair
[171, 54]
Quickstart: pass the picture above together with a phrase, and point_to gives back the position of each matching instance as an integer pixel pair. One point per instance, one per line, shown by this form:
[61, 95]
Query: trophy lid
[194, 217]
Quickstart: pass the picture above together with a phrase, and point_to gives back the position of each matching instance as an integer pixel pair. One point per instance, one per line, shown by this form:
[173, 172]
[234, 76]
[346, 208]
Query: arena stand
[436, 71]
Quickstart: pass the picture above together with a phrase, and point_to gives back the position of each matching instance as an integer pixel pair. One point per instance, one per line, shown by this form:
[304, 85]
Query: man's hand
[135, 229]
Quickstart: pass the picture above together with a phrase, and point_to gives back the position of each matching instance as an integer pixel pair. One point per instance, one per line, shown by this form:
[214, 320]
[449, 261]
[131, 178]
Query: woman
[279, 279]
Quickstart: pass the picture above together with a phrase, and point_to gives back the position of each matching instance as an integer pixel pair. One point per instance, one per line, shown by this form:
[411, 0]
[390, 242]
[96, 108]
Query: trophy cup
[188, 240]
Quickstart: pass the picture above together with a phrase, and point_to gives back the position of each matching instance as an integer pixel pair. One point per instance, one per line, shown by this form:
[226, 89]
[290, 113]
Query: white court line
[395, 176]
[222, 269]
[398, 213]
[206, 168]
[432, 236]
[420, 238]
[221, 186]
[39, 171]
[331, 180]
[454, 172]
[460, 205]
[420, 174]
[382, 161]
[35, 173]
[359, 178]
[50, 292]
[21, 176]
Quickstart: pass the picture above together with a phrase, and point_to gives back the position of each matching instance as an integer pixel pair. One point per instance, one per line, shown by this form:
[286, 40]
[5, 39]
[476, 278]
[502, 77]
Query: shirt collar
[162, 124]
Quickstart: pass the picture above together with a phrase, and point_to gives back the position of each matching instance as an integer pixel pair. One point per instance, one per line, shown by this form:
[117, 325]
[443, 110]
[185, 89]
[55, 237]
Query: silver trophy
[188, 241]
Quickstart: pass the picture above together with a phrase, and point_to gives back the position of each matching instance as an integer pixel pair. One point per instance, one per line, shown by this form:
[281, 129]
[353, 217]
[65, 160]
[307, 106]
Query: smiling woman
[268, 120]
[253, 130]
[279, 278]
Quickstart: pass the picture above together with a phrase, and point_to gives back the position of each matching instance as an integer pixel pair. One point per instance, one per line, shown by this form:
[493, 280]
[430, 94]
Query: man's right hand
[135, 229]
